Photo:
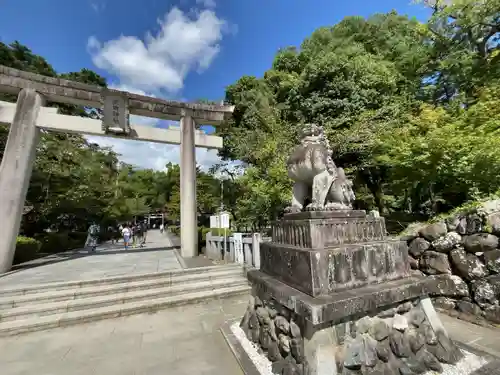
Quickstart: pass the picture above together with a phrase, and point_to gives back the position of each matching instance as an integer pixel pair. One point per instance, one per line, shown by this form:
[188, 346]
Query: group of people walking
[133, 234]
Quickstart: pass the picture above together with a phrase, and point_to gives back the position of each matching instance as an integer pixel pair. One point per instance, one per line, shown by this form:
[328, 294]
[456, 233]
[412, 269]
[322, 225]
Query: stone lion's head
[312, 133]
[311, 130]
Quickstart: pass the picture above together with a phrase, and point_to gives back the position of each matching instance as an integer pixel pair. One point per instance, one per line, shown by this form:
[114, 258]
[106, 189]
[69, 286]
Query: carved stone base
[320, 229]
[334, 269]
[376, 330]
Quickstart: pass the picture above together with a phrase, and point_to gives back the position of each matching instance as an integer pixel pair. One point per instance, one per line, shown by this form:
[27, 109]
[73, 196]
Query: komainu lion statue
[315, 176]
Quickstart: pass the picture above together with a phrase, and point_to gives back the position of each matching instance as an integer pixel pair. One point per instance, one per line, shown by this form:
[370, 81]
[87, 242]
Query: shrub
[26, 249]
[61, 241]
[105, 236]
[175, 229]
[220, 232]
[77, 240]
[204, 231]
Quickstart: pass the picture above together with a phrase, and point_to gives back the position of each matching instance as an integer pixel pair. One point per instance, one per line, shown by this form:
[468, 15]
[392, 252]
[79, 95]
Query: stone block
[335, 308]
[317, 230]
[338, 268]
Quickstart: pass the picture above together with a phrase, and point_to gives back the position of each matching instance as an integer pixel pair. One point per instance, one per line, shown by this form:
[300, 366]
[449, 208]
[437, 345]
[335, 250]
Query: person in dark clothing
[144, 232]
[138, 234]
[133, 233]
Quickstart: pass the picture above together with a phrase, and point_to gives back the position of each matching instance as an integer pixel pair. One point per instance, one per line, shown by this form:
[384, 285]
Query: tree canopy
[410, 109]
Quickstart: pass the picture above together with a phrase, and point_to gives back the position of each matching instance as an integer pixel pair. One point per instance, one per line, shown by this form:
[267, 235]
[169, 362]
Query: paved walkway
[108, 260]
[180, 341]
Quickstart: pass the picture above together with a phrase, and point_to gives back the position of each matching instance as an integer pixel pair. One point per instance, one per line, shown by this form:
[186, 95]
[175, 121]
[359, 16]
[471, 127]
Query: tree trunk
[374, 184]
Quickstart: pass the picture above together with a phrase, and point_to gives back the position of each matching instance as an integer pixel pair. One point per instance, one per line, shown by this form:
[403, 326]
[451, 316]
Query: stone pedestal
[320, 253]
[334, 296]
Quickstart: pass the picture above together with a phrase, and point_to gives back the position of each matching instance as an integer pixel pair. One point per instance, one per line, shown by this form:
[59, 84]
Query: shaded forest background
[411, 109]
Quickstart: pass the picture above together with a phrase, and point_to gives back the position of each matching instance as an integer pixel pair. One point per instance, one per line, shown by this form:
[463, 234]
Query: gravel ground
[263, 365]
[468, 364]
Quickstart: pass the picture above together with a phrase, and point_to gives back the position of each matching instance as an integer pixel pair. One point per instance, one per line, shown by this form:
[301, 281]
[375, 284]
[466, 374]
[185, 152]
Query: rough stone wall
[399, 340]
[466, 248]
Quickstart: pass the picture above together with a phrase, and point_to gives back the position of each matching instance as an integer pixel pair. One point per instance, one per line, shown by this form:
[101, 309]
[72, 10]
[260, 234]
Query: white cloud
[440, 3]
[162, 61]
[153, 155]
[97, 6]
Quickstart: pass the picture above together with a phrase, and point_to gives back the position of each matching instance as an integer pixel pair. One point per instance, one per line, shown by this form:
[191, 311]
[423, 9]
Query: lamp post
[118, 167]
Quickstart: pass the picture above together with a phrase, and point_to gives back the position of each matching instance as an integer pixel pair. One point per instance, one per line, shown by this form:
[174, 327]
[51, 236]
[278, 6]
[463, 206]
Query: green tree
[465, 36]
[367, 82]
[439, 160]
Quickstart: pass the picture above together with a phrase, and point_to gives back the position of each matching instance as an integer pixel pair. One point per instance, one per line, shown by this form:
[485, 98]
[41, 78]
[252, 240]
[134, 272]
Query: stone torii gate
[28, 116]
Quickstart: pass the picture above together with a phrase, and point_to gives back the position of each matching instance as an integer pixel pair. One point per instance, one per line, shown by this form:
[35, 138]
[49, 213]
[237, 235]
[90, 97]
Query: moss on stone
[466, 209]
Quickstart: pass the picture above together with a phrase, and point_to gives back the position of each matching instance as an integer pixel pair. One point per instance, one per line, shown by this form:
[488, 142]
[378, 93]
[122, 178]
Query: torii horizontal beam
[49, 119]
[71, 92]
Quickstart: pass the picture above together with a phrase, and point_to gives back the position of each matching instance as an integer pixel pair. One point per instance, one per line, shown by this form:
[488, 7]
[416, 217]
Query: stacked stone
[273, 328]
[397, 341]
[466, 248]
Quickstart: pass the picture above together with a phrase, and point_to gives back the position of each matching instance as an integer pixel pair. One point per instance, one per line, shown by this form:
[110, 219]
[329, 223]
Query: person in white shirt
[126, 232]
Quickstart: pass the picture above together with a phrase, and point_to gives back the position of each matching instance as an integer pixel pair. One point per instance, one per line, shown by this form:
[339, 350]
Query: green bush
[220, 232]
[175, 229]
[76, 240]
[61, 241]
[204, 231]
[79, 237]
[105, 236]
[26, 249]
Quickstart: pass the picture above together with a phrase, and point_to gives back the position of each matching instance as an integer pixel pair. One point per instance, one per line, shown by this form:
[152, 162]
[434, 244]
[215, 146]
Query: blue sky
[184, 49]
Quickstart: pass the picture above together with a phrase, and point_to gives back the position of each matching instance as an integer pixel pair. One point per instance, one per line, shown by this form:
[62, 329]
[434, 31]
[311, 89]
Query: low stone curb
[180, 259]
[480, 321]
[246, 364]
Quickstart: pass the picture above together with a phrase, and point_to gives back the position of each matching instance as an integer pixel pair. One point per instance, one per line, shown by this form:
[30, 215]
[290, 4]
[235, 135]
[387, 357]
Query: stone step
[37, 288]
[55, 295]
[43, 309]
[95, 290]
[148, 306]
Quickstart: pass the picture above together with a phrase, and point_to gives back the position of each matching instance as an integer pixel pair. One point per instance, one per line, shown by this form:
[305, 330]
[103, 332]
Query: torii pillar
[15, 171]
[189, 220]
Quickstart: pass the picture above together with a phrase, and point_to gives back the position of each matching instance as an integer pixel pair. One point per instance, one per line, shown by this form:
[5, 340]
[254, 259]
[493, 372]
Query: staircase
[45, 306]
